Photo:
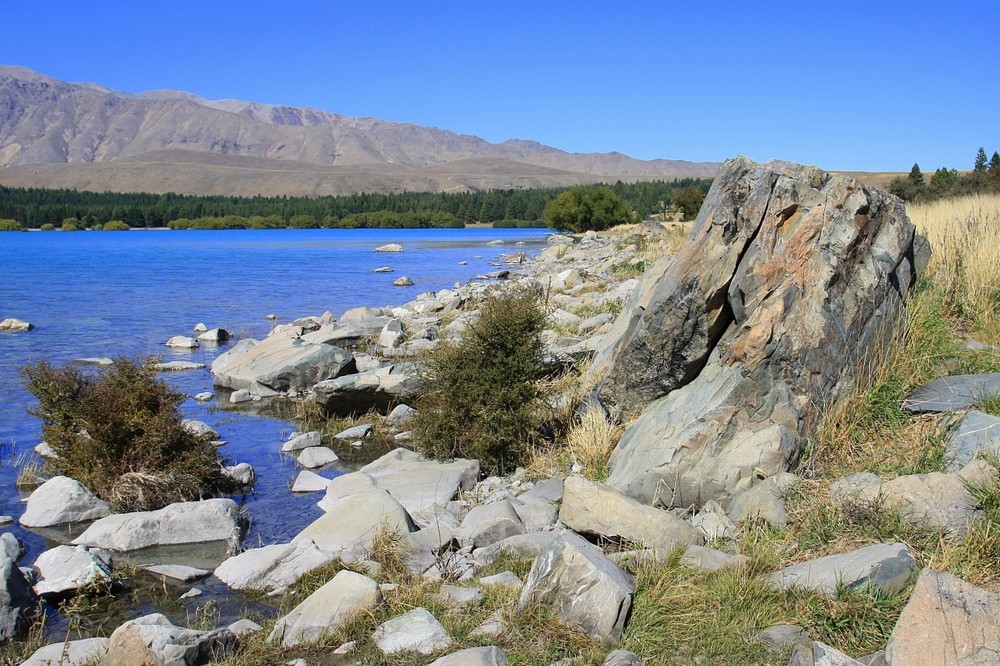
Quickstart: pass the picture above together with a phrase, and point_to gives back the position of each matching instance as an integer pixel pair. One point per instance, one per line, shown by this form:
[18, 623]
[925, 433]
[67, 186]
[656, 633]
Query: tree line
[984, 177]
[36, 207]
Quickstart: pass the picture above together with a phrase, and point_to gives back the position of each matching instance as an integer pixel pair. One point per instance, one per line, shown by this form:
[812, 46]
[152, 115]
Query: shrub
[479, 396]
[115, 225]
[69, 224]
[119, 432]
[10, 225]
[48, 226]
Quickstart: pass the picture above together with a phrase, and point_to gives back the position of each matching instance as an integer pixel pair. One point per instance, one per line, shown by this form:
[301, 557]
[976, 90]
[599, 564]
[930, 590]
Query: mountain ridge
[87, 136]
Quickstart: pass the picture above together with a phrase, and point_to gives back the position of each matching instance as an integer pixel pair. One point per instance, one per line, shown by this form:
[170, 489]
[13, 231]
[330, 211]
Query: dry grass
[591, 442]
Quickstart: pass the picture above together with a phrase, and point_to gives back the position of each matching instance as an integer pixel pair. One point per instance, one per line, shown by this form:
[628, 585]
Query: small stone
[182, 342]
[192, 593]
[507, 579]
[177, 572]
[204, 396]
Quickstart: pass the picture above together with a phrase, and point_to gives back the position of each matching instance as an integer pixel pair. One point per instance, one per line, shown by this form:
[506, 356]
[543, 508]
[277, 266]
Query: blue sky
[844, 85]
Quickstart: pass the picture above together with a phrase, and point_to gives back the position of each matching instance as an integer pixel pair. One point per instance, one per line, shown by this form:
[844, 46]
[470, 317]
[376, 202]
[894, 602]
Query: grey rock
[763, 501]
[356, 432]
[403, 281]
[886, 566]
[549, 491]
[240, 396]
[199, 428]
[70, 568]
[708, 559]
[622, 658]
[855, 486]
[365, 391]
[18, 600]
[947, 394]
[476, 656]
[420, 484]
[204, 396]
[182, 342]
[389, 247]
[15, 325]
[153, 640]
[309, 482]
[489, 523]
[241, 473]
[214, 336]
[946, 622]
[536, 516]
[326, 609]
[503, 579]
[244, 627]
[416, 631]
[184, 522]
[598, 509]
[400, 416]
[272, 569]
[521, 546]
[582, 586]
[713, 522]
[62, 500]
[317, 456]
[977, 434]
[347, 530]
[179, 366]
[820, 654]
[68, 653]
[726, 352]
[780, 635]
[179, 572]
[493, 626]
[301, 441]
[453, 595]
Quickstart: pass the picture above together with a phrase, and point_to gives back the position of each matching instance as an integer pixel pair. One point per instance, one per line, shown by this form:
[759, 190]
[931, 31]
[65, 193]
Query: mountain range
[88, 137]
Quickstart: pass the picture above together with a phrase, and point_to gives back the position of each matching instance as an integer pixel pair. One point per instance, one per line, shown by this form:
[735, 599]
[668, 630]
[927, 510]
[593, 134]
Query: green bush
[48, 226]
[10, 225]
[480, 396]
[115, 225]
[119, 432]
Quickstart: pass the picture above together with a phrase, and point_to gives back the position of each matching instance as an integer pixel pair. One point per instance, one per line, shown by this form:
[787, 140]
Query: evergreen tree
[980, 165]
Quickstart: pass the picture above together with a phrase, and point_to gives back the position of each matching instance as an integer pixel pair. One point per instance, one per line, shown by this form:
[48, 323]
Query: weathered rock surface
[302, 441]
[884, 565]
[309, 482]
[285, 361]
[17, 599]
[317, 456]
[820, 654]
[272, 569]
[347, 529]
[416, 631]
[362, 392]
[976, 435]
[62, 500]
[622, 658]
[595, 508]
[477, 656]
[947, 622]
[763, 501]
[789, 277]
[184, 522]
[489, 523]
[947, 394]
[179, 572]
[582, 586]
[68, 653]
[15, 325]
[70, 568]
[182, 342]
[152, 640]
[347, 594]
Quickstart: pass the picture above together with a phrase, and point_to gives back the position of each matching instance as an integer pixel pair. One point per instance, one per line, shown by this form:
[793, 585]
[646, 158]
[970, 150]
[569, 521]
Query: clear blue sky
[844, 85]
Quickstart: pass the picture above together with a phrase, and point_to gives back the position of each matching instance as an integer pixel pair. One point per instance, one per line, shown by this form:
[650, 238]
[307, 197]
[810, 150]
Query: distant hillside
[84, 136]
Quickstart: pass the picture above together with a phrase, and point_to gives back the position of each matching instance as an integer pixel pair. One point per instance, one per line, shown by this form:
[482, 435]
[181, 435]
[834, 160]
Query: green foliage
[945, 183]
[69, 224]
[585, 208]
[689, 201]
[114, 225]
[48, 226]
[120, 433]
[480, 395]
[10, 225]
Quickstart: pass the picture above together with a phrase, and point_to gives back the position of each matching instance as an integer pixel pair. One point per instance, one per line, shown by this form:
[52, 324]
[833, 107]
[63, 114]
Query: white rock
[62, 500]
[346, 595]
[69, 568]
[15, 325]
[389, 247]
[241, 473]
[347, 530]
[199, 428]
[215, 519]
[309, 482]
[317, 456]
[182, 342]
[179, 366]
[402, 282]
[177, 572]
[302, 441]
[204, 396]
[68, 653]
[416, 631]
[272, 569]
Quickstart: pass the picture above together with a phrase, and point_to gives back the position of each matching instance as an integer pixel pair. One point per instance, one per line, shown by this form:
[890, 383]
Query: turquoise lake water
[104, 294]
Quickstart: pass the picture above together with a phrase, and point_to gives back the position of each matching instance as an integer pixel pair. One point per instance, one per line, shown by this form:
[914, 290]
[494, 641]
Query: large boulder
[272, 569]
[348, 529]
[281, 363]
[733, 347]
[946, 622]
[151, 640]
[595, 508]
[363, 392]
[184, 522]
[66, 569]
[582, 586]
[420, 484]
[69, 653]
[17, 600]
[62, 500]
[885, 566]
[326, 609]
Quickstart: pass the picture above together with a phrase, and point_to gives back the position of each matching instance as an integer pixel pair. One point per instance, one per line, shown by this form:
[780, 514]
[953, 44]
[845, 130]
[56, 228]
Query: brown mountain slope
[84, 136]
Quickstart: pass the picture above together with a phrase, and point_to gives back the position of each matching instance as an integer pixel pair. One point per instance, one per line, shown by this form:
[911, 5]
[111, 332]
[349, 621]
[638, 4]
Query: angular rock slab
[420, 484]
[489, 523]
[477, 656]
[18, 600]
[582, 586]
[732, 348]
[886, 566]
[62, 500]
[272, 569]
[595, 508]
[362, 392]
[416, 631]
[153, 640]
[184, 522]
[348, 529]
[948, 394]
[70, 568]
[820, 654]
[72, 653]
[947, 622]
[346, 595]
[976, 435]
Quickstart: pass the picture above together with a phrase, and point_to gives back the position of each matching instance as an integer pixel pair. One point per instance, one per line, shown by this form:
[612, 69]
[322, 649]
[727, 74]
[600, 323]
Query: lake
[106, 294]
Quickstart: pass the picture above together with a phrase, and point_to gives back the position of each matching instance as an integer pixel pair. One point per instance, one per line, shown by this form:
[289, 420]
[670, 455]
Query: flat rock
[152, 639]
[582, 587]
[179, 572]
[708, 559]
[416, 631]
[347, 529]
[317, 456]
[347, 594]
[454, 595]
[355, 432]
[309, 482]
[885, 566]
[947, 622]
[389, 247]
[976, 435]
[595, 508]
[503, 579]
[184, 522]
[378, 389]
[69, 653]
[182, 342]
[179, 366]
[95, 360]
[947, 394]
[272, 569]
[521, 546]
[489, 523]
[816, 653]
[301, 441]
[420, 484]
[476, 656]
[62, 500]
[15, 325]
[70, 568]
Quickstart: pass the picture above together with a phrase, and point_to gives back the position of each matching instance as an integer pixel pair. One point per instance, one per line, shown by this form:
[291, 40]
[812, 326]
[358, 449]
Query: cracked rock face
[732, 348]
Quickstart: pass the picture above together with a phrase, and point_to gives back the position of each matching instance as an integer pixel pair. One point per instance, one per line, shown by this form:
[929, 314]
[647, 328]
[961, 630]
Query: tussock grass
[591, 442]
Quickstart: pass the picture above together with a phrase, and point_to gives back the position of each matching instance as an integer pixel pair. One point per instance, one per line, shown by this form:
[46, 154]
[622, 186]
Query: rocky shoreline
[721, 358]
